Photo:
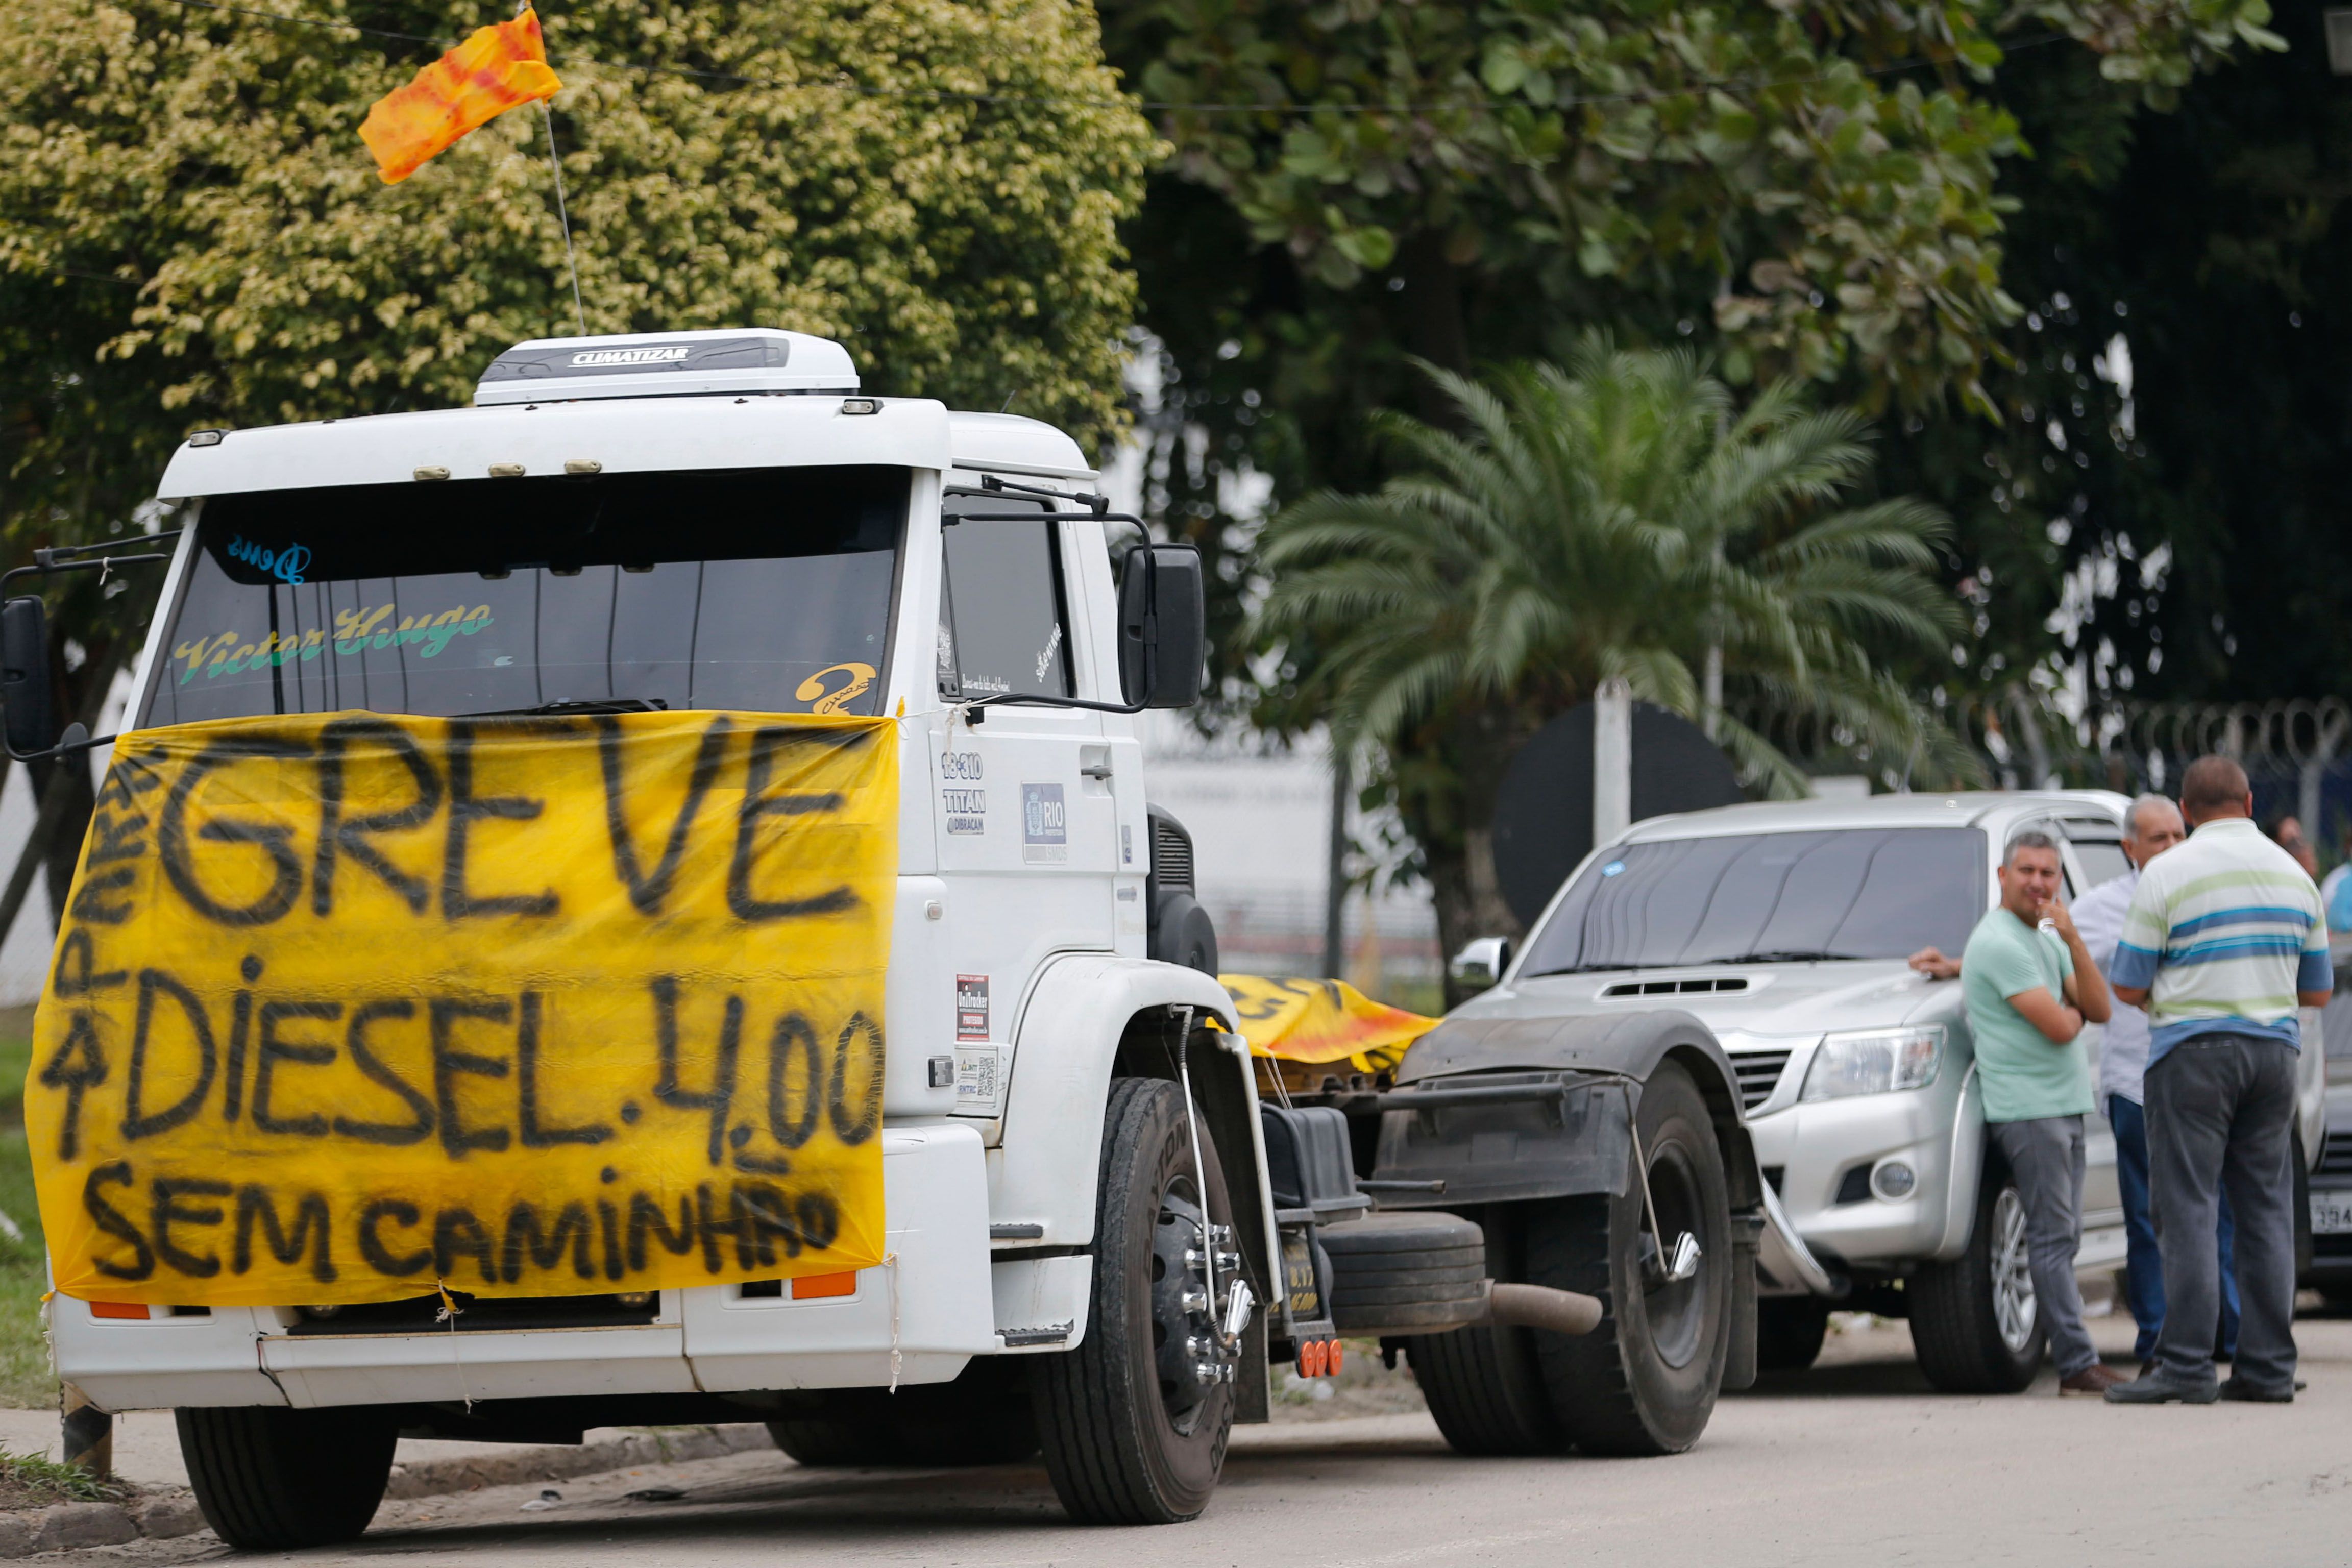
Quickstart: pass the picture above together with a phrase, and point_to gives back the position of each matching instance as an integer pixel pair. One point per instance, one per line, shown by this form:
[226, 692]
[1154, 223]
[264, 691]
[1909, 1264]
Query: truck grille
[2335, 1155]
[1759, 1075]
[1172, 856]
[422, 1314]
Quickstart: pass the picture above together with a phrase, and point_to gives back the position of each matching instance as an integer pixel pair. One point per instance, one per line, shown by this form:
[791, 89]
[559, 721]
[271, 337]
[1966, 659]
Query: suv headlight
[1875, 1061]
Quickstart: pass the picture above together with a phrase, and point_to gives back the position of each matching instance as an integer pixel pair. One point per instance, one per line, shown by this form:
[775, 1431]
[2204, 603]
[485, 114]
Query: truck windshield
[1762, 897]
[766, 590]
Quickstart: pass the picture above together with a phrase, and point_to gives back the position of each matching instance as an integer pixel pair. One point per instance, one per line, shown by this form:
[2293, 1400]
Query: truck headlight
[1875, 1061]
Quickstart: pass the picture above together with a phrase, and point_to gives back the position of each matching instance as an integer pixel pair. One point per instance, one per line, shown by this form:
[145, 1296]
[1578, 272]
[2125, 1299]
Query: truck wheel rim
[2012, 1273]
[1188, 1357]
[1676, 1310]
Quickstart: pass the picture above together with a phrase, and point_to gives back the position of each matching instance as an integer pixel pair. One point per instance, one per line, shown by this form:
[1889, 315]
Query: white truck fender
[1044, 1171]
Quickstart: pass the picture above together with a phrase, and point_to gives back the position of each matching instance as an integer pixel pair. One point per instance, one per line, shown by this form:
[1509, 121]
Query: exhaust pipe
[1535, 1307]
[1497, 1304]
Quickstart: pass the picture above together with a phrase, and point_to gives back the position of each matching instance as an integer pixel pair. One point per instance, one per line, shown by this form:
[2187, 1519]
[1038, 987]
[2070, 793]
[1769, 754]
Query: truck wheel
[1483, 1386]
[1646, 1381]
[272, 1480]
[840, 1435]
[980, 1419]
[1132, 1432]
[1974, 1322]
[1788, 1331]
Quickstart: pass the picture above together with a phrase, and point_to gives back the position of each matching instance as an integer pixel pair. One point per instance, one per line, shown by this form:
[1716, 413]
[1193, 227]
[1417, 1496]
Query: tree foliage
[1839, 206]
[1804, 185]
[1614, 518]
[191, 233]
[2160, 514]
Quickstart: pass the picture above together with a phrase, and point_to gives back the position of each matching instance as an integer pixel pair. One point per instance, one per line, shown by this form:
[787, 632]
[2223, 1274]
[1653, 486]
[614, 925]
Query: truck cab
[718, 521]
[635, 902]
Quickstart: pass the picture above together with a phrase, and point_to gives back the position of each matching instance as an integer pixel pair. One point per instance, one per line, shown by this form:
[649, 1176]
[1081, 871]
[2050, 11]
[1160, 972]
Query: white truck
[1081, 1254]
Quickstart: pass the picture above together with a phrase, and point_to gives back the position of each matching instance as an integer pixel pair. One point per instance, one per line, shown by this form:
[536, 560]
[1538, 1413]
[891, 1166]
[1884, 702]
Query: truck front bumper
[919, 1317]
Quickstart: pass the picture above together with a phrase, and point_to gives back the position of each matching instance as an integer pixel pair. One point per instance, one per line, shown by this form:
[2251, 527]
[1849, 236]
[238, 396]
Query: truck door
[1026, 828]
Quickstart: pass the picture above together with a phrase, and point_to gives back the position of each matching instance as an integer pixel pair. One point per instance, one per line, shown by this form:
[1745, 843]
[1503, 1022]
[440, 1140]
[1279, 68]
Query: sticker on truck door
[971, 1007]
[1044, 825]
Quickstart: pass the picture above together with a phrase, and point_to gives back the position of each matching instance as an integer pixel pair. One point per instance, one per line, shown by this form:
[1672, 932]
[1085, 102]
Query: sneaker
[2157, 1389]
[2237, 1388]
[2092, 1379]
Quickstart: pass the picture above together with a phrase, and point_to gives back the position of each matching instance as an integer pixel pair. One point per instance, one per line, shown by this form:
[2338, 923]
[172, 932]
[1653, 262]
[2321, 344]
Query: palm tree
[1620, 517]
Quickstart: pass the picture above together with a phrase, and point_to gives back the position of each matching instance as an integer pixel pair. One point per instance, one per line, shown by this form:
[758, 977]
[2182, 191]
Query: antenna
[562, 218]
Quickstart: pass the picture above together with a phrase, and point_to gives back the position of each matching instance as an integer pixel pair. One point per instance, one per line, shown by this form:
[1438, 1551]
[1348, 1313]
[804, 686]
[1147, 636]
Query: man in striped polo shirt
[2224, 940]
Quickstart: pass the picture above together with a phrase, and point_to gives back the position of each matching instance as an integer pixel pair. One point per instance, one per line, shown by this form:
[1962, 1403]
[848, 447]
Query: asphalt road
[1856, 1462]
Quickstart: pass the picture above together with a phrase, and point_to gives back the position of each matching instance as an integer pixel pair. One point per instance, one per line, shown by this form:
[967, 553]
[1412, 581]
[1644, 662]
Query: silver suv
[1784, 927]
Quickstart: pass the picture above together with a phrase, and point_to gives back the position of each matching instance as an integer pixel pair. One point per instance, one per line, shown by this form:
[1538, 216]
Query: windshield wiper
[1787, 955]
[582, 705]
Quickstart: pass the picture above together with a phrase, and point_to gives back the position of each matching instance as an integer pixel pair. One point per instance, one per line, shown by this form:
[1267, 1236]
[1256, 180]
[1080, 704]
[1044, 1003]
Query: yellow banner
[1321, 1021]
[347, 1005]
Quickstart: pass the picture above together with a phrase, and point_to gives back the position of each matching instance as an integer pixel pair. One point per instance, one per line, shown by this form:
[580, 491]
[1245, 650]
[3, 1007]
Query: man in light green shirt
[2029, 992]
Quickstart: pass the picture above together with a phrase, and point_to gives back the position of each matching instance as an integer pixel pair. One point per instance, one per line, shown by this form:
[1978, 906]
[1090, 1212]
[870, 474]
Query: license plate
[2331, 1214]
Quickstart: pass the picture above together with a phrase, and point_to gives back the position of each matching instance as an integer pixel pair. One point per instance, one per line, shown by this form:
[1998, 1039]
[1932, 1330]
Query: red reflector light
[815, 1287]
[134, 1311]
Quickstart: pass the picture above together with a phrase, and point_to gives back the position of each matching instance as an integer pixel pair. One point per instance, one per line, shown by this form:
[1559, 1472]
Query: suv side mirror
[27, 714]
[1162, 627]
[1481, 963]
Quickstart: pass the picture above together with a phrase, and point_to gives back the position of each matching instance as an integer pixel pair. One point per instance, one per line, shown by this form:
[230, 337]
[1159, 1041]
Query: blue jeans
[2142, 1265]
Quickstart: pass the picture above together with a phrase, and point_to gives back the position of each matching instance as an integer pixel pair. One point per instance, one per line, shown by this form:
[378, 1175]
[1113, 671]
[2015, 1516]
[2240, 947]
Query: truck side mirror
[28, 712]
[1481, 963]
[1162, 627]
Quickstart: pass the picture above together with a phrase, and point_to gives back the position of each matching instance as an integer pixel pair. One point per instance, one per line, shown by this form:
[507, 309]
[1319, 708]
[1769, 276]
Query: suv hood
[1766, 1001]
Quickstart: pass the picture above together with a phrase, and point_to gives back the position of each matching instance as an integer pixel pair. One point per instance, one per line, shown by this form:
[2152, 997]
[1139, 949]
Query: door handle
[1094, 762]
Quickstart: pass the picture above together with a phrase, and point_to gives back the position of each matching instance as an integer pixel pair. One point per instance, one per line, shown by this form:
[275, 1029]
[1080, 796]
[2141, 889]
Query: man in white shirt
[2152, 826]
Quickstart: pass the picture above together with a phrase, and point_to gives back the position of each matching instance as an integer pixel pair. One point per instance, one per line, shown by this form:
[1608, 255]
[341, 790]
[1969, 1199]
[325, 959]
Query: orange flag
[501, 67]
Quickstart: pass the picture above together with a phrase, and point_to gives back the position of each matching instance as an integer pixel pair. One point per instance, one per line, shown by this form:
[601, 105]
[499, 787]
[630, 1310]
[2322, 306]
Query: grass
[26, 1381]
[29, 1480]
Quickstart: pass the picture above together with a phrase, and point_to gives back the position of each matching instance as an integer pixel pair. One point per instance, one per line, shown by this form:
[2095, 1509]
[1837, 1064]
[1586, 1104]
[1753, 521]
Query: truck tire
[1646, 1381]
[1393, 1273]
[272, 1480]
[980, 1419]
[1788, 1331]
[1130, 1435]
[1485, 1393]
[1974, 1323]
[1482, 1384]
[838, 1437]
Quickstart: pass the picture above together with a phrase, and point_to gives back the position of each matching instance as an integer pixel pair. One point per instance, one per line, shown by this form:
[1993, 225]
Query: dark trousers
[2143, 1263]
[2220, 1116]
[2045, 1159]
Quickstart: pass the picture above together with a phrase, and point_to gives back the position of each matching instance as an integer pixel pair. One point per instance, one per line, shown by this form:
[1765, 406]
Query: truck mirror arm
[23, 640]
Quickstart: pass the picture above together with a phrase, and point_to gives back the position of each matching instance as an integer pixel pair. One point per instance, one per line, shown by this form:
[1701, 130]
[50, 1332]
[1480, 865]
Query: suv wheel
[1974, 1321]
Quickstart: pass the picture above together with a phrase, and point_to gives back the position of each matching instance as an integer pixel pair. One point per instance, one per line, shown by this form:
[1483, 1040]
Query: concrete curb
[671, 1445]
[163, 1515]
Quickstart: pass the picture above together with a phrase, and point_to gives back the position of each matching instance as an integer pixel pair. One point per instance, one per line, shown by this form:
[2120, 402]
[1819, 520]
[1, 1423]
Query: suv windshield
[767, 590]
[1769, 897]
